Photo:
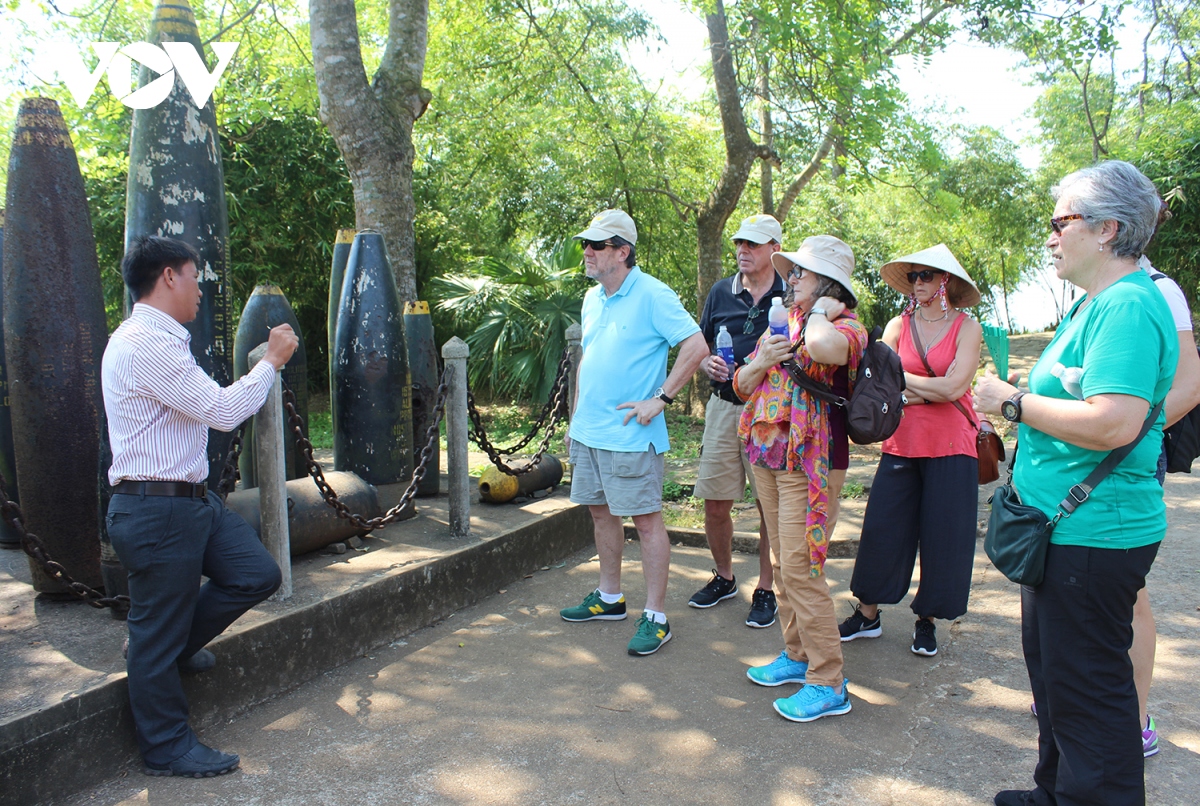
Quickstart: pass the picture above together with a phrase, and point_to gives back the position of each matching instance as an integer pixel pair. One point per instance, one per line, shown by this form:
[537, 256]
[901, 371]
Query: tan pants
[810, 630]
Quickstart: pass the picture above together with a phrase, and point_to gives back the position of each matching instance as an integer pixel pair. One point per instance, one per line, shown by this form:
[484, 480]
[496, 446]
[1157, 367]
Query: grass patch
[853, 489]
[688, 513]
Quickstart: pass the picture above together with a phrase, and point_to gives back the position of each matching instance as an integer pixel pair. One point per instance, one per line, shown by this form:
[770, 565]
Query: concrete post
[272, 475]
[574, 338]
[454, 355]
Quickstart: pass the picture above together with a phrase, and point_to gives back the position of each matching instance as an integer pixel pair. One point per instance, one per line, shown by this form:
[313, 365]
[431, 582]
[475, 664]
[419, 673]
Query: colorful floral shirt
[784, 427]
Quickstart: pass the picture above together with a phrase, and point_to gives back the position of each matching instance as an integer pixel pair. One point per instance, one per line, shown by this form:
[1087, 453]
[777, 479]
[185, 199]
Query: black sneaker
[763, 609]
[924, 638]
[859, 626]
[717, 589]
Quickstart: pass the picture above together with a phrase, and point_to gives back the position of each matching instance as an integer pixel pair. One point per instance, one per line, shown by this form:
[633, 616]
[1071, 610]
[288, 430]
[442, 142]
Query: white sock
[610, 598]
[655, 616]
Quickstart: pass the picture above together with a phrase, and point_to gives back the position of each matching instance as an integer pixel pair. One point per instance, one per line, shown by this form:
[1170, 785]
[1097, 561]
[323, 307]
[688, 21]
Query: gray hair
[1114, 191]
[826, 287]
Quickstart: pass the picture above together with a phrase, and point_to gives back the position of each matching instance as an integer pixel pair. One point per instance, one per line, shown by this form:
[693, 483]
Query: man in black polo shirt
[740, 303]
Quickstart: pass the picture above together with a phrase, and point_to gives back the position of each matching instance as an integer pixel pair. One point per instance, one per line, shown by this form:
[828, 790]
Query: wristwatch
[1011, 408]
[663, 396]
[821, 311]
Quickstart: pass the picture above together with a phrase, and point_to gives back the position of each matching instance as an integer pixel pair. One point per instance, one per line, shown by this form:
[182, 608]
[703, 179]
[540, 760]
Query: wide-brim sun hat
[895, 272]
[821, 254]
[608, 223]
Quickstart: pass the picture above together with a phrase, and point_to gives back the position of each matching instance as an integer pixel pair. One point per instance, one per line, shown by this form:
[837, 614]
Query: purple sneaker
[1150, 738]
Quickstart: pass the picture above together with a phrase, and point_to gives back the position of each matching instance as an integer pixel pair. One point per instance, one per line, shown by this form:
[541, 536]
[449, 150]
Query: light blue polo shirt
[626, 338]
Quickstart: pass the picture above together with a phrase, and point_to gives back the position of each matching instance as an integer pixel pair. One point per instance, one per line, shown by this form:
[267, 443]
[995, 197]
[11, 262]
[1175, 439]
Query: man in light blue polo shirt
[618, 433]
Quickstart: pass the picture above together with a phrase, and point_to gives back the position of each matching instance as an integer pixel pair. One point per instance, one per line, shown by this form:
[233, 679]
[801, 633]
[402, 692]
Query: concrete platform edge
[82, 741]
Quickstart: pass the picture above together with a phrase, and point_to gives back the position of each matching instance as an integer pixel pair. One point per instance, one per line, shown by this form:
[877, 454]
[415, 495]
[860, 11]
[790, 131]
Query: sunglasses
[926, 275]
[739, 241]
[598, 246]
[751, 315]
[1058, 223]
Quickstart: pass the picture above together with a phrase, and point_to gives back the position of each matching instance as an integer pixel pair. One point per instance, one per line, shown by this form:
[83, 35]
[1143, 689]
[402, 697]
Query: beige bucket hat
[895, 273]
[608, 223]
[821, 254]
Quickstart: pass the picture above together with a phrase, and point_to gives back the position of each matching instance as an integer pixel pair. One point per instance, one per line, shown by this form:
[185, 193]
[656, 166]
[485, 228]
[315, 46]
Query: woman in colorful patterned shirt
[925, 496]
[786, 432]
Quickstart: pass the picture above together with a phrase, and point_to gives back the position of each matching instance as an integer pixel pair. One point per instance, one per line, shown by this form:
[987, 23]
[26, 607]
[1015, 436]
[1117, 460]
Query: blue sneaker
[779, 671]
[814, 702]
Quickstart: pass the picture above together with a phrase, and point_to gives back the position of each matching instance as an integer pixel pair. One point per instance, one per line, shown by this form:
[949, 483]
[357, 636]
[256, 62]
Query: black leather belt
[728, 395]
[178, 489]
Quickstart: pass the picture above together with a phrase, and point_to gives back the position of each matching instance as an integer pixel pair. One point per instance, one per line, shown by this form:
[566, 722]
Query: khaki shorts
[629, 483]
[724, 469]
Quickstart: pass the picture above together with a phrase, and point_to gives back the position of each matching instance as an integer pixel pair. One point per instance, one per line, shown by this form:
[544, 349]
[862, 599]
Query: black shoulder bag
[1018, 534]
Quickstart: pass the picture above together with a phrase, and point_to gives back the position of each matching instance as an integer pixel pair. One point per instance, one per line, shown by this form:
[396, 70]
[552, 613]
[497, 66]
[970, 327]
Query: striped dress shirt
[160, 404]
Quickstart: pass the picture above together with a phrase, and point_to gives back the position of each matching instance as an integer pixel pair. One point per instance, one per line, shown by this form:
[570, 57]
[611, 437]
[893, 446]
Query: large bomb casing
[372, 404]
[337, 272]
[497, 487]
[8, 460]
[54, 335]
[423, 369]
[266, 308]
[313, 524]
[177, 189]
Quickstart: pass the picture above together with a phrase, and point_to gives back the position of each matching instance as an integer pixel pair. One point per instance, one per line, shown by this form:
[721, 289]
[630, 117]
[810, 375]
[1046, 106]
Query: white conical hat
[895, 272]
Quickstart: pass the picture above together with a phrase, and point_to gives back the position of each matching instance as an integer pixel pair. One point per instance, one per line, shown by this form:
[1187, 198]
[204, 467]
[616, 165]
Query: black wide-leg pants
[925, 504]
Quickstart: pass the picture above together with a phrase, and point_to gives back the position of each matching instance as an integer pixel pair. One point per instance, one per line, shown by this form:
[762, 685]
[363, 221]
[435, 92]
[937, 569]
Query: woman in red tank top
[925, 494]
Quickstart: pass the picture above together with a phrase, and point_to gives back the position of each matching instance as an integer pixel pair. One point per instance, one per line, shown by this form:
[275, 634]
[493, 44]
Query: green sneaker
[649, 638]
[593, 608]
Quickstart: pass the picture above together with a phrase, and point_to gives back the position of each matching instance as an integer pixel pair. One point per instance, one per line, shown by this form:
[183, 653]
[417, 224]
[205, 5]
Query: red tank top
[933, 429]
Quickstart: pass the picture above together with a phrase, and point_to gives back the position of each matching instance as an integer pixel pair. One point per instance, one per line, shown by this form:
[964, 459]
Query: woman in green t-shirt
[1110, 362]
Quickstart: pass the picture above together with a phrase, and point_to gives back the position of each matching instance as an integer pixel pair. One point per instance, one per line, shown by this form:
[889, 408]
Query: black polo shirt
[729, 304]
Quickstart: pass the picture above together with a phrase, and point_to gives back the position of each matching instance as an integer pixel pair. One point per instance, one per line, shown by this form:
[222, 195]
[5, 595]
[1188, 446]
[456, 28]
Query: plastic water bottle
[1070, 377]
[777, 317]
[725, 347]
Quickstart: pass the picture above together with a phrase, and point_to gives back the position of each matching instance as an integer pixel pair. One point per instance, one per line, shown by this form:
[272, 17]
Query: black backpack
[876, 402]
[1182, 440]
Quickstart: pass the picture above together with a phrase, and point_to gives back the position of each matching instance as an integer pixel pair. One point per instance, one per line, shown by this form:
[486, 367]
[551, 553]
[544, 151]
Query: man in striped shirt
[166, 527]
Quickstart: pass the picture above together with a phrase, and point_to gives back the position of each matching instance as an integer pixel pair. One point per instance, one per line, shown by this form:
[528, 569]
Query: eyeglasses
[1060, 222]
[598, 246]
[796, 272]
[740, 241]
[751, 315]
[925, 275]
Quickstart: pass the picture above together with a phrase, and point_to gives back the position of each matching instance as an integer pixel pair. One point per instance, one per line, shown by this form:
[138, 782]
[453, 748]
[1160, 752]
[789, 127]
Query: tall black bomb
[337, 272]
[266, 308]
[8, 461]
[177, 189]
[372, 407]
[423, 369]
[54, 335]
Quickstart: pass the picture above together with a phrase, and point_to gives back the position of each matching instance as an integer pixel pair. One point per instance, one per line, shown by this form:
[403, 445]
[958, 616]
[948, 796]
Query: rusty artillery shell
[337, 272]
[54, 335]
[313, 524]
[266, 308]
[8, 461]
[423, 368]
[177, 189]
[496, 487]
[372, 407]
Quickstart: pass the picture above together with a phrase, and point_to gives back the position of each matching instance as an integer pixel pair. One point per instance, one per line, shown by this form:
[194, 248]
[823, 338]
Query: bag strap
[801, 378]
[1082, 491]
[912, 328]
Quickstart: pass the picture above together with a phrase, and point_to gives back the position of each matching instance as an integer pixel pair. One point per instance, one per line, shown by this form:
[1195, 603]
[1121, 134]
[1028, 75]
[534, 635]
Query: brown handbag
[988, 445]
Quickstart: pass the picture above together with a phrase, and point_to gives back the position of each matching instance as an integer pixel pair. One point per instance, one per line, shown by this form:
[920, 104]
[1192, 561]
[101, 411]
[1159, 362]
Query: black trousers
[1076, 630]
[930, 505]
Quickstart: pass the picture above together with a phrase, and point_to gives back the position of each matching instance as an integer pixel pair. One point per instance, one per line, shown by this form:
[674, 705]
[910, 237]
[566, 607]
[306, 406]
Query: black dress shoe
[202, 661]
[199, 762]
[1014, 797]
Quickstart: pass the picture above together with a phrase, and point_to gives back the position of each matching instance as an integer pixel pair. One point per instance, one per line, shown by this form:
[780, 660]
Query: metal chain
[35, 548]
[230, 473]
[296, 423]
[555, 409]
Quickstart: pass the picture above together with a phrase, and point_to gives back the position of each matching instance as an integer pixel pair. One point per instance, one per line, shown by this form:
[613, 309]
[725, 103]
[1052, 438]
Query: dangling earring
[942, 292]
[1101, 249]
[912, 304]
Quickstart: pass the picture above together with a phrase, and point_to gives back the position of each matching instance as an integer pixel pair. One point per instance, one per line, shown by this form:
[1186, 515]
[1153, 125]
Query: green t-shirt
[1126, 344]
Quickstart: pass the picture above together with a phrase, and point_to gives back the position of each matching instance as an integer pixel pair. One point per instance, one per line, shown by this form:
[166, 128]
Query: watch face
[1010, 411]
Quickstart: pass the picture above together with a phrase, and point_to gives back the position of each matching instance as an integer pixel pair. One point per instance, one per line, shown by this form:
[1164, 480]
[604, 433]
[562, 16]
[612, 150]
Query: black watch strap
[663, 396]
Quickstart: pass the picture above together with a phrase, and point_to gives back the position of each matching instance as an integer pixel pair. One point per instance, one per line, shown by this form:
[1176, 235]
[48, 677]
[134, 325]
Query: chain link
[230, 473]
[296, 423]
[35, 548]
[555, 409]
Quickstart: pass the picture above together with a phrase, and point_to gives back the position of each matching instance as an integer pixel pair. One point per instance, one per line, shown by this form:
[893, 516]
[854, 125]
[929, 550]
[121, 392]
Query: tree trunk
[372, 123]
[767, 183]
